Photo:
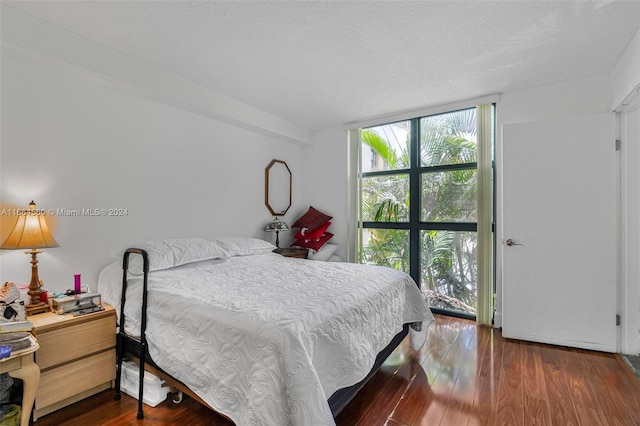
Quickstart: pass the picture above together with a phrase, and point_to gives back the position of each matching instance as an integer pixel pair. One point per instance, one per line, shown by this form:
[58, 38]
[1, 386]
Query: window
[419, 203]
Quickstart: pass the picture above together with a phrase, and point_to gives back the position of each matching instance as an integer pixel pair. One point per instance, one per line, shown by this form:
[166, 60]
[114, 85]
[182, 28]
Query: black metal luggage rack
[135, 346]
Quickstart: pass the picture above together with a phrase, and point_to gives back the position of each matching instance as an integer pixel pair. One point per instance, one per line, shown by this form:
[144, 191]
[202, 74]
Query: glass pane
[386, 247]
[449, 270]
[449, 196]
[385, 198]
[386, 147]
[449, 138]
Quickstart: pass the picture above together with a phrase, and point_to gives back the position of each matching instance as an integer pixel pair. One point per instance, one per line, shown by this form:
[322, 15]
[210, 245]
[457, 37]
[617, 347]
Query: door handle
[510, 243]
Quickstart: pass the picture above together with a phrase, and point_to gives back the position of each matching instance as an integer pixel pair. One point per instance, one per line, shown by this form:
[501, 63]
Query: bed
[261, 338]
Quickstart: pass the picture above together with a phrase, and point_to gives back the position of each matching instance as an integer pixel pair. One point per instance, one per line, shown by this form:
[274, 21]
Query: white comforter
[266, 339]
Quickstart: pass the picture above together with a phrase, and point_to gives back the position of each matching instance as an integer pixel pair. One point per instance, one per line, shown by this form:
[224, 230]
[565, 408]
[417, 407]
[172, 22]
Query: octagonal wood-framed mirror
[277, 187]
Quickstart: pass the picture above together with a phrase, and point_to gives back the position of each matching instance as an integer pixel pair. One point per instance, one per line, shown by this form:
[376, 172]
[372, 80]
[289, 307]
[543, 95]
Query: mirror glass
[277, 187]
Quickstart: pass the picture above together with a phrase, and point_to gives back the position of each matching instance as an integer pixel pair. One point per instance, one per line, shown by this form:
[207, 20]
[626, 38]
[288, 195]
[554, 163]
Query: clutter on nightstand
[11, 307]
[77, 303]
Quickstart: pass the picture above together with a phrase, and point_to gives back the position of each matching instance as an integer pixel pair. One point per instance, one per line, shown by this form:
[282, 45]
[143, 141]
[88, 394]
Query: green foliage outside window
[447, 257]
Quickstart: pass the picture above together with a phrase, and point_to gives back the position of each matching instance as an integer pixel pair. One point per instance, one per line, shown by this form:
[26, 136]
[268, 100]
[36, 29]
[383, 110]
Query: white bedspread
[266, 339]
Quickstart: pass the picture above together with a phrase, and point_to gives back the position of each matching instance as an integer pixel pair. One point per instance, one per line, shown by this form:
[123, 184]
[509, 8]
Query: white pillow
[167, 253]
[244, 246]
[325, 252]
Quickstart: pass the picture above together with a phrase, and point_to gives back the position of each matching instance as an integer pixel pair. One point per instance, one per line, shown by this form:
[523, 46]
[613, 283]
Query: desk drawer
[10, 365]
[69, 343]
[76, 377]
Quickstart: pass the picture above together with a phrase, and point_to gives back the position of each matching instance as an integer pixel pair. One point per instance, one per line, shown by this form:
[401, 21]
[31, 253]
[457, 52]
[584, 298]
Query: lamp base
[37, 308]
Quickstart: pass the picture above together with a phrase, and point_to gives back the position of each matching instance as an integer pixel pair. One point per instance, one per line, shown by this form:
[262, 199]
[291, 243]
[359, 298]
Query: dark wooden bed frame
[137, 349]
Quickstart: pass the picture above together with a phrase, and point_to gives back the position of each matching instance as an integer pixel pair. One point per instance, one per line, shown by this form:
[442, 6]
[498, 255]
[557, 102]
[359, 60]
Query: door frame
[629, 219]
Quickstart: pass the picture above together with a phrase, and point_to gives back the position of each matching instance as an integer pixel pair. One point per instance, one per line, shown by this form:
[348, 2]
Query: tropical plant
[386, 198]
[381, 146]
[448, 258]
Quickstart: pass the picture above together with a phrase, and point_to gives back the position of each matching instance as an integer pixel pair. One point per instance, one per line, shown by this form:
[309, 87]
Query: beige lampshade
[30, 232]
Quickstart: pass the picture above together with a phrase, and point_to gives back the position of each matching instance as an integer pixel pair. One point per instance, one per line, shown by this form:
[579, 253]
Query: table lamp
[276, 225]
[31, 232]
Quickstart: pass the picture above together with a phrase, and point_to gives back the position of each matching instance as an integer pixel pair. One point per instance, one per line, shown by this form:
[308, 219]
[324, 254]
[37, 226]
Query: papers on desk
[15, 343]
[13, 326]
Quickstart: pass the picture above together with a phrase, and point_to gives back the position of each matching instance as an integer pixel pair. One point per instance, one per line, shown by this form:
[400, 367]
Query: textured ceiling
[319, 64]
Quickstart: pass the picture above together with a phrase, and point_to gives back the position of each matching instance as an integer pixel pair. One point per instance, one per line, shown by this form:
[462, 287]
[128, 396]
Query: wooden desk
[20, 365]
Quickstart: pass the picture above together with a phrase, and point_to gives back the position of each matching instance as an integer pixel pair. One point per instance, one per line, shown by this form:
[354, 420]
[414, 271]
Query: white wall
[69, 140]
[625, 77]
[325, 177]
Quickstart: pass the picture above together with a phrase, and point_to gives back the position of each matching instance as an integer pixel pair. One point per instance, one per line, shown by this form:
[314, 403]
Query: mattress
[265, 339]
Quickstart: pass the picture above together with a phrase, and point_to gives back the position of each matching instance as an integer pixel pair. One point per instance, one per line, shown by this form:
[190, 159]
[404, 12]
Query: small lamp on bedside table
[31, 232]
[276, 225]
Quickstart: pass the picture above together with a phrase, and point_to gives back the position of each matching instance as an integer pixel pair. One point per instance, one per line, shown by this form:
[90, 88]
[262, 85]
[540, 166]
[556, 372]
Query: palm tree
[387, 198]
[452, 195]
[448, 264]
[381, 146]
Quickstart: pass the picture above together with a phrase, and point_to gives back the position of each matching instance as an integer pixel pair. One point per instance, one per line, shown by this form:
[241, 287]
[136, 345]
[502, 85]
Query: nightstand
[77, 357]
[300, 253]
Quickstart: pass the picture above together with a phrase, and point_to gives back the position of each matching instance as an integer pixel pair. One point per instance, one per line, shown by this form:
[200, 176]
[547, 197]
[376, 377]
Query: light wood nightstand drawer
[69, 343]
[69, 380]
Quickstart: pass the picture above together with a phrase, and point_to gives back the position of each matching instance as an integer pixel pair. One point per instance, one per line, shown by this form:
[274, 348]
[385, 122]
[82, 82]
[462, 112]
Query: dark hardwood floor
[465, 375]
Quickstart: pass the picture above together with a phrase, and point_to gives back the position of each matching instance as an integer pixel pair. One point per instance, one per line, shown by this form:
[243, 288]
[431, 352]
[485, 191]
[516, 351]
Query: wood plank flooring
[464, 376]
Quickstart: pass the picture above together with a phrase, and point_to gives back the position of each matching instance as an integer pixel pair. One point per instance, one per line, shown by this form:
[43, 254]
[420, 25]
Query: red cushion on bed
[305, 234]
[313, 244]
[312, 219]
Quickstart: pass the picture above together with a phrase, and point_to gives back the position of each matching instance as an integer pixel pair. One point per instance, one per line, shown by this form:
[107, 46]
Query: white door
[559, 203]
